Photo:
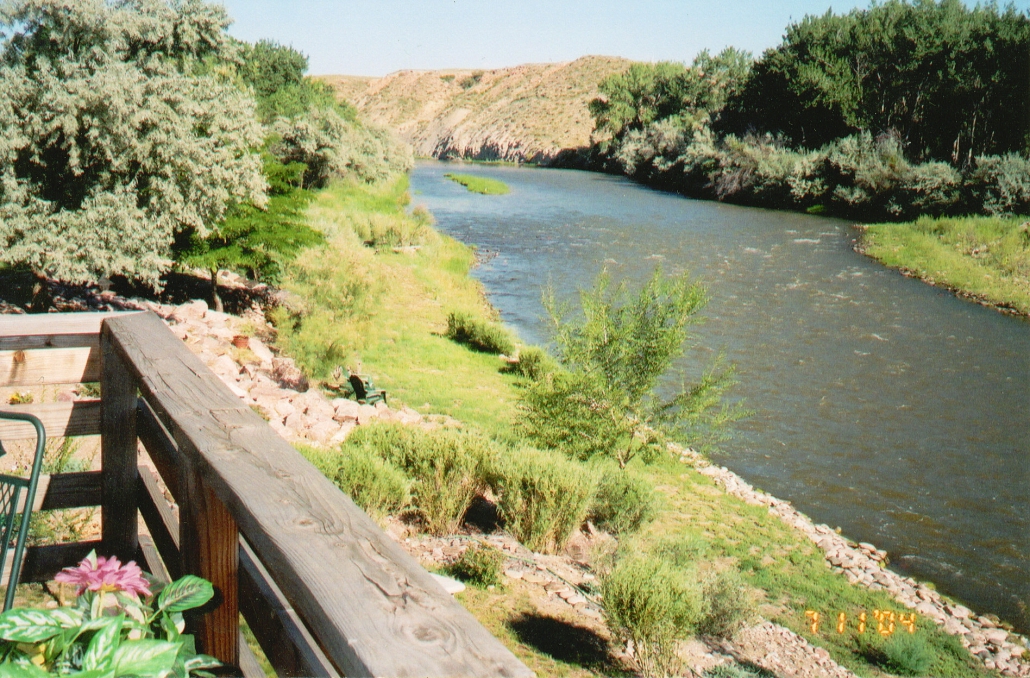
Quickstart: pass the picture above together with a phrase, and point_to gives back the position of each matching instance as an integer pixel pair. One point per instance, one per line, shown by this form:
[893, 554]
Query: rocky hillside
[529, 113]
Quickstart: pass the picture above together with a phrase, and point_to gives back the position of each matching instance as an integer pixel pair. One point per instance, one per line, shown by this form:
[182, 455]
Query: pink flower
[105, 574]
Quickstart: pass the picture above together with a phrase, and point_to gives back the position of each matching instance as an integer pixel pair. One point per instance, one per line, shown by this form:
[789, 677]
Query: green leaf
[185, 594]
[104, 644]
[144, 657]
[21, 670]
[33, 626]
[201, 661]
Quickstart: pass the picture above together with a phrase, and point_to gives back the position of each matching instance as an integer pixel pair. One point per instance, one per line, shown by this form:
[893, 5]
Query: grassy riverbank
[985, 258]
[376, 298]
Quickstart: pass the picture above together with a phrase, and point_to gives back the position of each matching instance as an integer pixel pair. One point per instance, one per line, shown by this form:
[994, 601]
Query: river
[881, 405]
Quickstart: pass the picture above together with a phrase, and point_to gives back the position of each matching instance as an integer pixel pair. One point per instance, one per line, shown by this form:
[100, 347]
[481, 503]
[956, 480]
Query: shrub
[904, 654]
[376, 485]
[477, 334]
[448, 467]
[648, 602]
[479, 565]
[624, 502]
[1001, 184]
[542, 497]
[533, 363]
[728, 603]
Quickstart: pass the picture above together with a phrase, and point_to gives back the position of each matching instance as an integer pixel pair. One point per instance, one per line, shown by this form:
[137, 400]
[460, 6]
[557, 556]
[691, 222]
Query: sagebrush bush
[542, 497]
[479, 565]
[650, 603]
[375, 484]
[624, 501]
[728, 603]
[904, 654]
[478, 335]
[448, 467]
[533, 363]
[1001, 184]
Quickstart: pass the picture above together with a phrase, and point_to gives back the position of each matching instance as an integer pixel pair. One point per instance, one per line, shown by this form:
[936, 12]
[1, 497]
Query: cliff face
[534, 112]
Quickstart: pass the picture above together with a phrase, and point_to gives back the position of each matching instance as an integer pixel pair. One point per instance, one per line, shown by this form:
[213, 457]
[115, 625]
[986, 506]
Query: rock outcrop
[529, 113]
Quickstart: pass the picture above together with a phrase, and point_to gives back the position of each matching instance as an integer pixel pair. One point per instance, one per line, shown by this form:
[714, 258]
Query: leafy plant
[542, 497]
[479, 565]
[116, 627]
[904, 654]
[616, 354]
[728, 602]
[532, 362]
[118, 136]
[448, 467]
[648, 602]
[478, 335]
[624, 502]
[376, 485]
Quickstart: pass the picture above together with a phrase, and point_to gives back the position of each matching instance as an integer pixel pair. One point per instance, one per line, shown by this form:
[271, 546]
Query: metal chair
[11, 492]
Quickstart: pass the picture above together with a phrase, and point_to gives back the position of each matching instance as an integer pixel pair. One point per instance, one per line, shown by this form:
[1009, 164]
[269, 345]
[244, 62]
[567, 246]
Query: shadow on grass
[566, 642]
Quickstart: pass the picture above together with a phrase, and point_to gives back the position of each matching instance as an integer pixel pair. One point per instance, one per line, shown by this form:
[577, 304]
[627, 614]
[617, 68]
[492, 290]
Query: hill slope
[532, 112]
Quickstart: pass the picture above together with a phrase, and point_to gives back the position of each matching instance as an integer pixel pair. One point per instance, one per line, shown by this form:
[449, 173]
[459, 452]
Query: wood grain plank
[250, 667]
[209, 548]
[77, 418]
[68, 490]
[36, 367]
[118, 453]
[159, 445]
[150, 559]
[373, 609]
[287, 643]
[41, 563]
[52, 330]
[162, 523]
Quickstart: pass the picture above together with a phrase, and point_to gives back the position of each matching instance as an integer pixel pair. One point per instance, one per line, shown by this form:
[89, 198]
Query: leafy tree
[120, 126]
[253, 240]
[951, 81]
[646, 93]
[276, 73]
[606, 403]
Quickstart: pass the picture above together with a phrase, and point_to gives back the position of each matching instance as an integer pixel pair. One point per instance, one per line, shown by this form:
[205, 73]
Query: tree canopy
[951, 82]
[120, 125]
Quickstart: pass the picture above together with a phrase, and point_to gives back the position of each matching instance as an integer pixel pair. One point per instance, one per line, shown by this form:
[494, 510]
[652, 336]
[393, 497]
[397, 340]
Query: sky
[376, 37]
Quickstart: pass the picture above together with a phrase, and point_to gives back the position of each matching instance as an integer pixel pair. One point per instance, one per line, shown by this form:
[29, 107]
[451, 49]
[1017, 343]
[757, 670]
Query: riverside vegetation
[368, 285]
[476, 184]
[388, 295]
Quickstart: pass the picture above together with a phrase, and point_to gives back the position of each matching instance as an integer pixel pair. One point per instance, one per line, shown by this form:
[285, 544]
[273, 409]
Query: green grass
[477, 184]
[788, 569]
[987, 258]
[385, 313]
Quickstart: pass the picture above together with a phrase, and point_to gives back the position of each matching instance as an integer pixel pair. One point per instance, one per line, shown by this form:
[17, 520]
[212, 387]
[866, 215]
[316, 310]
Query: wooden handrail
[371, 608]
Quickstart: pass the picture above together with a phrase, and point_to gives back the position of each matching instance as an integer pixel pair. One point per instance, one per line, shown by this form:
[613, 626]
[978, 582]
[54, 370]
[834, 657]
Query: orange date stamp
[884, 622]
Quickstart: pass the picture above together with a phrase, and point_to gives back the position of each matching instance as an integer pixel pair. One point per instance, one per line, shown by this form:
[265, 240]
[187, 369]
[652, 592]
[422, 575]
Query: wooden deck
[325, 591]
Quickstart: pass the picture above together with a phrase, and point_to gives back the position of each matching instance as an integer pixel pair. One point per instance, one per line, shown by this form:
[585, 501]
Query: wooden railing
[323, 589]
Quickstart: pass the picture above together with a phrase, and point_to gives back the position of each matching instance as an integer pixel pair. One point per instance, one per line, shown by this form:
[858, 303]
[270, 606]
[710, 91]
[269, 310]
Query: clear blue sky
[376, 37]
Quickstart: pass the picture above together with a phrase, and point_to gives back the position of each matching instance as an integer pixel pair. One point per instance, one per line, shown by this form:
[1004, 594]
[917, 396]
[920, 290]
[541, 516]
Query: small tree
[254, 240]
[120, 125]
[615, 356]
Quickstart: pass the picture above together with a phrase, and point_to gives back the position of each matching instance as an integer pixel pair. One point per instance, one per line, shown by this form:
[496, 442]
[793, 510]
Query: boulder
[345, 410]
[286, 373]
[258, 348]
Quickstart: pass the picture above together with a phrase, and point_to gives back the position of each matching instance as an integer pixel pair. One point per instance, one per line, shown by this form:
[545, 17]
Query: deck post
[118, 453]
[209, 544]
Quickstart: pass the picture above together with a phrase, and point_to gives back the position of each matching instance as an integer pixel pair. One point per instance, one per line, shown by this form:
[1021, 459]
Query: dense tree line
[137, 133]
[901, 109]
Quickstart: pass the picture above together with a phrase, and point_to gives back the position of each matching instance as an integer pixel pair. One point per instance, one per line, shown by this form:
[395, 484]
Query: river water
[882, 405]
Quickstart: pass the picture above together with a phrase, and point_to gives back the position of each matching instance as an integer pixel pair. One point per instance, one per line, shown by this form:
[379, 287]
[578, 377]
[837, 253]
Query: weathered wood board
[41, 366]
[373, 609]
[78, 418]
